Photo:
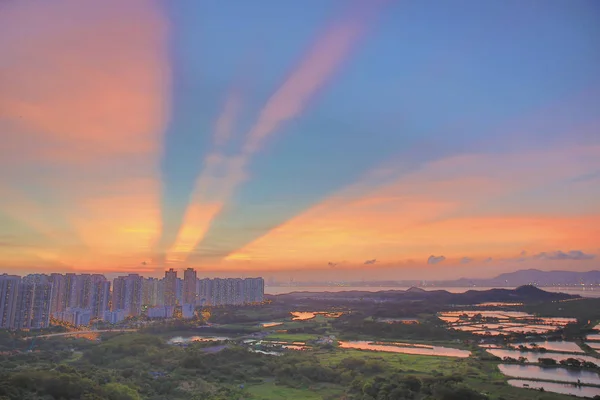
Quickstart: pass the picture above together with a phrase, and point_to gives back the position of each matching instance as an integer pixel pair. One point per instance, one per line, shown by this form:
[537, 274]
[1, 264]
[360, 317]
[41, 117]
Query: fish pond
[306, 315]
[533, 357]
[501, 322]
[186, 340]
[405, 348]
[270, 324]
[561, 388]
[550, 374]
[560, 346]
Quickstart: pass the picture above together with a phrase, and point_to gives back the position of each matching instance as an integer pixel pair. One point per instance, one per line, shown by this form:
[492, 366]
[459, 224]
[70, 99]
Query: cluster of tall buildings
[24, 303]
[30, 302]
[172, 291]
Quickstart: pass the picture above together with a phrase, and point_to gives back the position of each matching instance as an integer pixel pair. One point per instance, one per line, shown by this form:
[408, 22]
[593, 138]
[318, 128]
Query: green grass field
[481, 375]
[271, 391]
[406, 362]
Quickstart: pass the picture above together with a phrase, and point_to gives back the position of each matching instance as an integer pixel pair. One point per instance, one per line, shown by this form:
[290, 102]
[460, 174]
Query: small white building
[75, 316]
[161, 312]
[114, 317]
[187, 311]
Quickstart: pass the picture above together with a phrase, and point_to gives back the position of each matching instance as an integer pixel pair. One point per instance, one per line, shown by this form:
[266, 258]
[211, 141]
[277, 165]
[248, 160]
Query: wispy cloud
[415, 214]
[316, 69]
[226, 122]
[370, 262]
[222, 174]
[465, 260]
[432, 260]
[575, 255]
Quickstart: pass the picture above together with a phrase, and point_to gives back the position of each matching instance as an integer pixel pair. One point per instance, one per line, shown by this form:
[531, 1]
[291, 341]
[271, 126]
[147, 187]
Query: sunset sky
[363, 139]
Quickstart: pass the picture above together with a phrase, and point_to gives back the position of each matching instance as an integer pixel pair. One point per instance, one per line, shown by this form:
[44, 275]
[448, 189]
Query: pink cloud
[314, 71]
[443, 208]
[87, 96]
[84, 81]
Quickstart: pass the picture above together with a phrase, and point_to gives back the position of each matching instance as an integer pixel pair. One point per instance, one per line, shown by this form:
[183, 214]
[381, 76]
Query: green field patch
[272, 391]
[414, 363]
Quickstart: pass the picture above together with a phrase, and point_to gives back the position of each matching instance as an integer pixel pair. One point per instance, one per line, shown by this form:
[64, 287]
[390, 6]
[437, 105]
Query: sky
[322, 139]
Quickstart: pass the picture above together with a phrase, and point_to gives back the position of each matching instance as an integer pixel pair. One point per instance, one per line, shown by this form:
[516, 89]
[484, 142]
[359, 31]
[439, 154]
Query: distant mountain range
[511, 279]
[525, 294]
[528, 277]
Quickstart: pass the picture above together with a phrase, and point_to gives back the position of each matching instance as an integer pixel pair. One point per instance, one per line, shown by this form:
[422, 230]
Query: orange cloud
[289, 101]
[444, 208]
[208, 199]
[86, 98]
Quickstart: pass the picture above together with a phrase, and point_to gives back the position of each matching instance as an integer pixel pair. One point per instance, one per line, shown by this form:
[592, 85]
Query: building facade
[29, 302]
[150, 294]
[189, 286]
[101, 301]
[127, 294]
[33, 305]
[170, 288]
[9, 291]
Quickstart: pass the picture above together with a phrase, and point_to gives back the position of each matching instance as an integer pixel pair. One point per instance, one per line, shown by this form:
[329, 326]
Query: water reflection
[306, 315]
[549, 374]
[533, 357]
[500, 322]
[567, 347]
[405, 348]
[270, 324]
[504, 329]
[295, 347]
[501, 315]
[186, 340]
[283, 345]
[408, 321]
[562, 388]
[529, 329]
[270, 353]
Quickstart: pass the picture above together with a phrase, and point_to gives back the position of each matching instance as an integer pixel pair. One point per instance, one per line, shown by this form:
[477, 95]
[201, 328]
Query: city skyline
[332, 138]
[35, 300]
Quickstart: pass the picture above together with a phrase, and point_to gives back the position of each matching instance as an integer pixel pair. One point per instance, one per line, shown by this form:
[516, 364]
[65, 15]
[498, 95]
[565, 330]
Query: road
[80, 333]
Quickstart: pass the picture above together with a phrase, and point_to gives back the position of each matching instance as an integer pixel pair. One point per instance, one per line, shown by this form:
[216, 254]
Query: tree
[117, 391]
[547, 361]
[412, 383]
[571, 362]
